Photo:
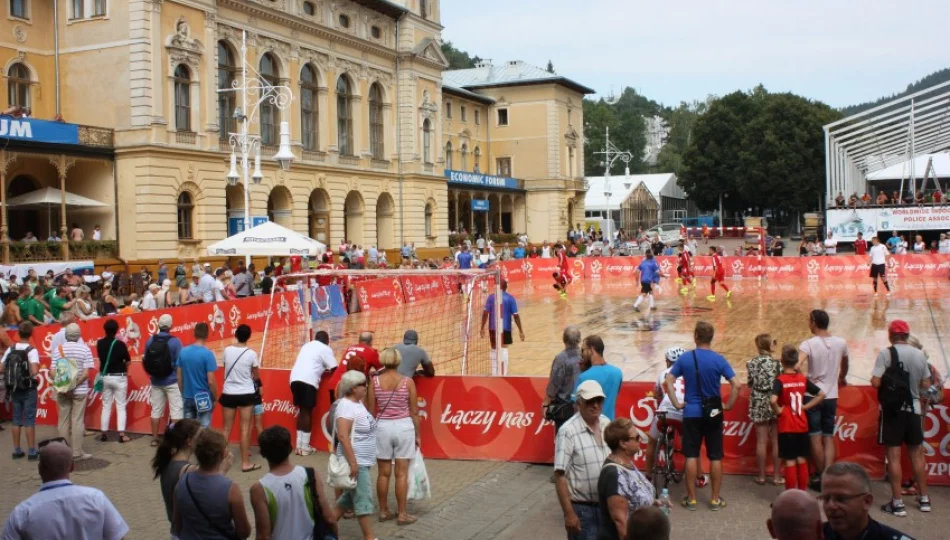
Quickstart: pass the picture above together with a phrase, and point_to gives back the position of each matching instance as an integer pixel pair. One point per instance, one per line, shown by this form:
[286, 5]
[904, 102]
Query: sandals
[778, 481]
[759, 480]
[154, 443]
[124, 439]
[104, 437]
[408, 521]
[254, 467]
[388, 516]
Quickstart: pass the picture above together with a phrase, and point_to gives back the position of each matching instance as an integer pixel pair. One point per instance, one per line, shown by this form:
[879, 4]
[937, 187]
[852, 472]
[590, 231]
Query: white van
[669, 233]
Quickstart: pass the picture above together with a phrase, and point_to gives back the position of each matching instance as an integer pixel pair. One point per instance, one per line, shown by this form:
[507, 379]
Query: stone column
[6, 159]
[63, 164]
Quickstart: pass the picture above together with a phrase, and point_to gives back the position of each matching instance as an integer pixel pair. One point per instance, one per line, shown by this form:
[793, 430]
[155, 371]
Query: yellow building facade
[374, 125]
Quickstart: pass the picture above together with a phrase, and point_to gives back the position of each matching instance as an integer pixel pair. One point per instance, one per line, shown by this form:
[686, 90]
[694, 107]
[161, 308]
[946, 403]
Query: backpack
[65, 371]
[894, 392]
[157, 360]
[17, 370]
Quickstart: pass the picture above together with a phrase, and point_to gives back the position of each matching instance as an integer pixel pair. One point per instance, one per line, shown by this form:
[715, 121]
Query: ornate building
[376, 133]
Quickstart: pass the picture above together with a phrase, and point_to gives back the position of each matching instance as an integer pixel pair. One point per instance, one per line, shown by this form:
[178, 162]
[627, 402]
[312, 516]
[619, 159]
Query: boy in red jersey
[719, 274]
[562, 277]
[684, 267]
[860, 245]
[788, 403]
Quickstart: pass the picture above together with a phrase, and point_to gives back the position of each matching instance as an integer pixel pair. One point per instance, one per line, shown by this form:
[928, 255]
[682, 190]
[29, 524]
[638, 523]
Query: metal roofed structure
[512, 73]
[897, 131]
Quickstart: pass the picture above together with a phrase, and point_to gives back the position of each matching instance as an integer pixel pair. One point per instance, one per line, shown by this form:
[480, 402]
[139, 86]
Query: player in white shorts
[674, 416]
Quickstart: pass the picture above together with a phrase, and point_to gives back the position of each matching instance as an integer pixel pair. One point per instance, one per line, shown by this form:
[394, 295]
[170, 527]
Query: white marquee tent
[903, 171]
[268, 240]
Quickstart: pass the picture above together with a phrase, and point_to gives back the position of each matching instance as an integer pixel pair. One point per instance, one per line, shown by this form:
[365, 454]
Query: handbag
[203, 402]
[100, 377]
[321, 529]
[559, 410]
[712, 405]
[338, 469]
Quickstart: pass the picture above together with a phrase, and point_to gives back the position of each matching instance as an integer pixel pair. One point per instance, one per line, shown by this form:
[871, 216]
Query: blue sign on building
[42, 131]
[479, 205]
[236, 224]
[480, 180]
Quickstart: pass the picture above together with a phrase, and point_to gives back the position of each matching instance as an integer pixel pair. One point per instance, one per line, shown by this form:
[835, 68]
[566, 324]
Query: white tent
[902, 171]
[267, 240]
[47, 197]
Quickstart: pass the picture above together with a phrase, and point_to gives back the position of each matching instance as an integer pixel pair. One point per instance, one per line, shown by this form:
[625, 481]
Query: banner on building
[40, 131]
[914, 218]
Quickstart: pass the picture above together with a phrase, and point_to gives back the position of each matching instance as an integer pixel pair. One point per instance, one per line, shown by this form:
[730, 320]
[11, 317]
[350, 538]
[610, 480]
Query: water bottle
[665, 505]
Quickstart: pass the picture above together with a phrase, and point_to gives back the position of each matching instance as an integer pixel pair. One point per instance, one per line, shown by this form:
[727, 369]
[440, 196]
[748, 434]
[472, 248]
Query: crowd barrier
[500, 419]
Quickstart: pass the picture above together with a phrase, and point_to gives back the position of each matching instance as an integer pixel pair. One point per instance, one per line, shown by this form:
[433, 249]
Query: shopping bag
[418, 479]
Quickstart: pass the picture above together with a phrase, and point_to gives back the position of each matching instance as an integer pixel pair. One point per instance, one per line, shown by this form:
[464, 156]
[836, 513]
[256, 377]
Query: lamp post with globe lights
[610, 155]
[245, 145]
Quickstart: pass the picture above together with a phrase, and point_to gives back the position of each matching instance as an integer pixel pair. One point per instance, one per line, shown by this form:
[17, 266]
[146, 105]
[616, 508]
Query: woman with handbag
[393, 398]
[173, 459]
[113, 380]
[209, 505]
[355, 433]
[238, 394]
[621, 488]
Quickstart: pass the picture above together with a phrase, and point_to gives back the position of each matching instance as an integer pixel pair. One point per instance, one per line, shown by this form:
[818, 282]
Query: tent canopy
[903, 170]
[268, 240]
[46, 197]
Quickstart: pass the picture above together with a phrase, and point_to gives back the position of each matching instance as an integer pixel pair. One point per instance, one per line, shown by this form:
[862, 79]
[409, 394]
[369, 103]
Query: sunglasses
[828, 498]
[47, 442]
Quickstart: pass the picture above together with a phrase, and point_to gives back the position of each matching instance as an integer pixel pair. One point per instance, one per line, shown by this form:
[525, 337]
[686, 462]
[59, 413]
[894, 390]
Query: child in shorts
[788, 404]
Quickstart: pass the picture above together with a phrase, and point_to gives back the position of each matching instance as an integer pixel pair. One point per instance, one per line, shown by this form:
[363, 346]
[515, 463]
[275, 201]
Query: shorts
[258, 409]
[646, 288]
[878, 270]
[395, 439]
[697, 430]
[24, 408]
[792, 446]
[191, 411]
[360, 498]
[821, 418]
[236, 401]
[720, 276]
[505, 337]
[900, 427]
[166, 395]
[305, 395]
[672, 419]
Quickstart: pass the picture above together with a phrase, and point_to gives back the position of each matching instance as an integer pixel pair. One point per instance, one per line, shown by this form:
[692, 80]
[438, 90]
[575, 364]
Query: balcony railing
[185, 137]
[318, 157]
[428, 167]
[349, 160]
[22, 252]
[96, 136]
[380, 164]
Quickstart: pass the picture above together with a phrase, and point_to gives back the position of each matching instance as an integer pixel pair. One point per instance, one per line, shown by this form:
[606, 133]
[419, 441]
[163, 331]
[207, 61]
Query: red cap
[898, 327]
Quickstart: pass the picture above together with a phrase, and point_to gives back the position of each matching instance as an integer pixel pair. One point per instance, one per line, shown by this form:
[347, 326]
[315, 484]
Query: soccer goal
[444, 307]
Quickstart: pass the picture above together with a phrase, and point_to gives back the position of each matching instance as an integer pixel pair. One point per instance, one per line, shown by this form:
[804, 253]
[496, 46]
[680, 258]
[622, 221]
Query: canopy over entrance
[49, 196]
[268, 240]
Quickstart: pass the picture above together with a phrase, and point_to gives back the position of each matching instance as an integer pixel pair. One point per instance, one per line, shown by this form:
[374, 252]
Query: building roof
[513, 73]
[390, 9]
[659, 185]
[916, 167]
[461, 92]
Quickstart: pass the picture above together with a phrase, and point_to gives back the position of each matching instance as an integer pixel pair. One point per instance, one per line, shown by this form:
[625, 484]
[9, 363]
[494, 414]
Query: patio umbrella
[48, 198]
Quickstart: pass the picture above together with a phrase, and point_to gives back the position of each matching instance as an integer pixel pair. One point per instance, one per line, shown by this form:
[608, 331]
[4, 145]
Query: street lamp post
[243, 143]
[611, 154]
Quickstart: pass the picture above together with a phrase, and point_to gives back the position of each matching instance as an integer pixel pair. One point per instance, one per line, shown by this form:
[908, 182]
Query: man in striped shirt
[579, 454]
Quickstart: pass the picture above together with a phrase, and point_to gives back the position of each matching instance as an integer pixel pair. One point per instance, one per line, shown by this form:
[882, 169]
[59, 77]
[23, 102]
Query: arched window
[464, 151]
[227, 71]
[270, 116]
[344, 117]
[309, 111]
[448, 155]
[18, 85]
[182, 80]
[427, 141]
[376, 121]
[429, 213]
[186, 208]
[477, 167]
[309, 8]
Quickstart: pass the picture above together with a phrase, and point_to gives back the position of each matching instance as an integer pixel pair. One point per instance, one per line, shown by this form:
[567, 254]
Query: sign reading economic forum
[481, 180]
[44, 131]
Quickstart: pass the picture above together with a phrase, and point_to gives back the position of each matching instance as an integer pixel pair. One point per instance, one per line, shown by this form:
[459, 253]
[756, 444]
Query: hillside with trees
[934, 78]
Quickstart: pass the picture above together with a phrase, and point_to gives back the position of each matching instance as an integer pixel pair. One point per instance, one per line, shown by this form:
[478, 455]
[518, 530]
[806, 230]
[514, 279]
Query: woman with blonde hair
[108, 304]
[82, 307]
[762, 370]
[392, 397]
[355, 430]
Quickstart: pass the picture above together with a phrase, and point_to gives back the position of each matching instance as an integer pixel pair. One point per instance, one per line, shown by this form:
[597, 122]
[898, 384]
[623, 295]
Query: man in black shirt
[847, 499]
[268, 282]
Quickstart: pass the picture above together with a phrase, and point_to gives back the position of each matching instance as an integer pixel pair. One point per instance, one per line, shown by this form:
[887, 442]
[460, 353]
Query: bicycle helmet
[673, 354]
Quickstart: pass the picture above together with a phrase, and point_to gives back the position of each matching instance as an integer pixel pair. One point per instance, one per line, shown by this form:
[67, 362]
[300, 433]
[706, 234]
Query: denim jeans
[191, 411]
[589, 517]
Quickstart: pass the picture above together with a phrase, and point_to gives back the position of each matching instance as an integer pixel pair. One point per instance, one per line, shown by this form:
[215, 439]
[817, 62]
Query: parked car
[669, 233]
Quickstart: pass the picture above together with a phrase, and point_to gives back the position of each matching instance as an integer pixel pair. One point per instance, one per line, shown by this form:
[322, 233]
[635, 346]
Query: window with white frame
[429, 213]
[99, 8]
[376, 135]
[426, 141]
[503, 166]
[448, 155]
[463, 113]
[448, 109]
[20, 9]
[309, 110]
[88, 9]
[478, 117]
[182, 80]
[18, 85]
[78, 9]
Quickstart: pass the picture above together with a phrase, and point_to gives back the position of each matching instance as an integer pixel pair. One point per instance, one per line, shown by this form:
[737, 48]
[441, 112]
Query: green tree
[458, 59]
[682, 120]
[625, 120]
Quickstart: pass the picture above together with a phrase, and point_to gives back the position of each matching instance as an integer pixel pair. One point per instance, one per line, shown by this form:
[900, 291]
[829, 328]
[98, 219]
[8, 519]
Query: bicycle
[664, 466]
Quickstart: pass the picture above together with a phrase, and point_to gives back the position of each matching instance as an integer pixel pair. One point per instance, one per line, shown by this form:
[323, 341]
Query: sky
[841, 52]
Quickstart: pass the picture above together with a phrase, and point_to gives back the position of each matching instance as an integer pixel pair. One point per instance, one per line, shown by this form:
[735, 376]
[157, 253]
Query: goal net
[444, 307]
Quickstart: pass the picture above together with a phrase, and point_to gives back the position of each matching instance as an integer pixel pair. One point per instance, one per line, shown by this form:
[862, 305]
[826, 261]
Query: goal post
[444, 307]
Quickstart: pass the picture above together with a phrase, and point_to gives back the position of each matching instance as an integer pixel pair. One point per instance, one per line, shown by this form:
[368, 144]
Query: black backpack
[16, 368]
[894, 392]
[157, 360]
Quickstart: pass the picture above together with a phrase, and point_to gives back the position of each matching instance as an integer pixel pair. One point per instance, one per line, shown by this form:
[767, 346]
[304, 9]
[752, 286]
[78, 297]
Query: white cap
[589, 390]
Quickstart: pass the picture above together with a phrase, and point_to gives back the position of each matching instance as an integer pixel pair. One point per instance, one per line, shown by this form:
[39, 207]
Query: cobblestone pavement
[471, 500]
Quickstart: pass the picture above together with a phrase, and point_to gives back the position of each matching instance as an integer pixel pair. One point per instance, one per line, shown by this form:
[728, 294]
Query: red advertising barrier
[493, 418]
[222, 317]
[418, 288]
[379, 293]
[811, 268]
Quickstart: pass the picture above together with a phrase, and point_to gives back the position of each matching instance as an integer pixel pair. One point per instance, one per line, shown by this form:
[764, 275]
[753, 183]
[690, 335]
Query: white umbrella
[46, 197]
[267, 240]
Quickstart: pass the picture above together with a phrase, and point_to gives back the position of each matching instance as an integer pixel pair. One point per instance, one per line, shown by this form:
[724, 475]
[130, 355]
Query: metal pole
[608, 163]
[498, 322]
[722, 223]
[243, 141]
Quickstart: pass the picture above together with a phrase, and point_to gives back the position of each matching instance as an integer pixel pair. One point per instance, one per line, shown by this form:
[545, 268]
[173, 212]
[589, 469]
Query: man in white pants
[164, 386]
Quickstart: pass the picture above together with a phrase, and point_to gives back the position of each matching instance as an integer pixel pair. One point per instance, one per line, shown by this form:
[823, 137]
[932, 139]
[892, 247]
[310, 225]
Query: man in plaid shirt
[579, 454]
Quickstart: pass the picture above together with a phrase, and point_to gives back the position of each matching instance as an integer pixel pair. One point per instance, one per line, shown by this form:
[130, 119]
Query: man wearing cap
[413, 355]
[904, 424]
[71, 406]
[165, 389]
[579, 454]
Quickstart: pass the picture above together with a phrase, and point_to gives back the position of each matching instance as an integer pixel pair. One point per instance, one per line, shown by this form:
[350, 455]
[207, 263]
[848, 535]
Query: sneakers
[896, 508]
[728, 295]
[815, 484]
[304, 451]
[711, 298]
[679, 281]
[684, 290]
[688, 504]
[716, 506]
[18, 453]
[563, 293]
[33, 455]
[81, 457]
[924, 504]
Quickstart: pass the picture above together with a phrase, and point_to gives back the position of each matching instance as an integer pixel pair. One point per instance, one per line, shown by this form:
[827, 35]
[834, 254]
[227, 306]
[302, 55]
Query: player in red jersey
[788, 403]
[684, 268]
[719, 275]
[562, 277]
[860, 245]
[363, 350]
